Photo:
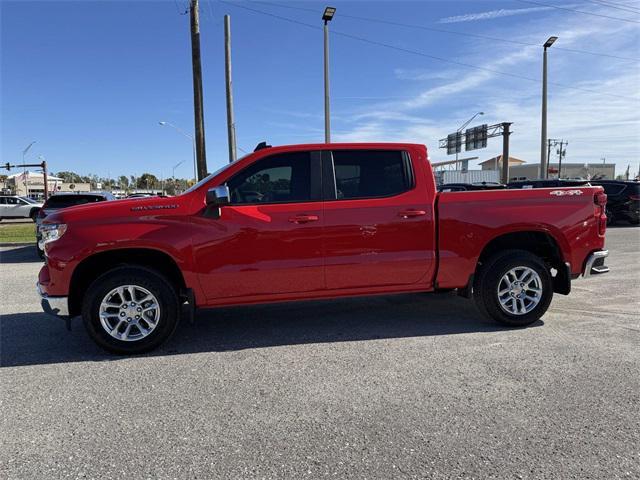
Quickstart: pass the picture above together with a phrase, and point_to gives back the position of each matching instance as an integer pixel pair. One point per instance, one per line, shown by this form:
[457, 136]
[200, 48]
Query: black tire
[39, 251]
[146, 278]
[33, 214]
[488, 278]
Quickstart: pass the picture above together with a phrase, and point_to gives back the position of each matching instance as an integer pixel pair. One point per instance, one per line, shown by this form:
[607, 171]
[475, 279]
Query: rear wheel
[130, 310]
[514, 288]
[33, 214]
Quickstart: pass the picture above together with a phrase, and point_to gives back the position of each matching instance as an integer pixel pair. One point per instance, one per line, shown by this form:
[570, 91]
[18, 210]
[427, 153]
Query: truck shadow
[36, 338]
[21, 254]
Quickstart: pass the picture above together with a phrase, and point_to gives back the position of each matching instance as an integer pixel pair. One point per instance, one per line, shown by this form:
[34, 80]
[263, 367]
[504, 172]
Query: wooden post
[198, 108]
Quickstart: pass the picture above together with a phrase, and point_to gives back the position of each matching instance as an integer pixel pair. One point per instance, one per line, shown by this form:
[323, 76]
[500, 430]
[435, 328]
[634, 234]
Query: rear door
[379, 223]
[268, 241]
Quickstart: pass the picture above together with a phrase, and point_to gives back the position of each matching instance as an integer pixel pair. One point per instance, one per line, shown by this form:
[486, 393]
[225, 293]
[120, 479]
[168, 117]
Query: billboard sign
[476, 137]
[454, 143]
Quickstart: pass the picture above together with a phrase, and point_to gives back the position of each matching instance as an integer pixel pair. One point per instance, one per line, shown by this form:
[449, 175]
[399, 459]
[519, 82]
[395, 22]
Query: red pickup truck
[315, 221]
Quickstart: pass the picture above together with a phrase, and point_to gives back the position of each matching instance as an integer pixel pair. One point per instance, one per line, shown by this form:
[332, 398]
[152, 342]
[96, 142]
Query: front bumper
[56, 306]
[595, 264]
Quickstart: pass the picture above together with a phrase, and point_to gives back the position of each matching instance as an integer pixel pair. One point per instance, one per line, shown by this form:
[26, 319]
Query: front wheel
[130, 310]
[514, 288]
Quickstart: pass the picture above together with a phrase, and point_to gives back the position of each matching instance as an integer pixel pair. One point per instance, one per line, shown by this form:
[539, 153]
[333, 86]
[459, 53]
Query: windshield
[209, 177]
[28, 200]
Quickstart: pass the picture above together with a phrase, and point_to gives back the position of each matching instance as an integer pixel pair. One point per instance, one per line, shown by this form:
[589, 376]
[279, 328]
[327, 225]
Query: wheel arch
[540, 243]
[99, 263]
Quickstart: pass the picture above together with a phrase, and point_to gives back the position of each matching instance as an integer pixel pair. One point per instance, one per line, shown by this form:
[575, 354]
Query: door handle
[304, 218]
[411, 213]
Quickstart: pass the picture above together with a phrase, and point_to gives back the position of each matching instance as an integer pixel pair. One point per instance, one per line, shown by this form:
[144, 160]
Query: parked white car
[13, 206]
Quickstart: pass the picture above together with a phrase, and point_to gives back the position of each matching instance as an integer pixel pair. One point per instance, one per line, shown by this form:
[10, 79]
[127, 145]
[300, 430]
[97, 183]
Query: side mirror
[218, 196]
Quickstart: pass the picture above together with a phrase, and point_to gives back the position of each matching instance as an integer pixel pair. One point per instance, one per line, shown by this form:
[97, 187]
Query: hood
[121, 209]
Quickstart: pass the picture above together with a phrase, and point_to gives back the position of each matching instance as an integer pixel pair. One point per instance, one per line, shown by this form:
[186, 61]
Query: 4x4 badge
[561, 193]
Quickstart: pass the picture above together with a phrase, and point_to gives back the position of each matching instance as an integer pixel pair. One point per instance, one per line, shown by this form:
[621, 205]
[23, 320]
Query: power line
[616, 6]
[422, 54]
[577, 11]
[454, 32]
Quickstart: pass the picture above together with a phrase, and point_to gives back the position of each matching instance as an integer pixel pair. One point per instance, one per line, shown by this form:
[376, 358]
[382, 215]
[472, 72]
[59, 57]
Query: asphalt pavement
[407, 386]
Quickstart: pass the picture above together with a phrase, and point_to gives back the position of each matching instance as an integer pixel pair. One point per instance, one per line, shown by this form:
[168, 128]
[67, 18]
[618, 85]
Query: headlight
[51, 233]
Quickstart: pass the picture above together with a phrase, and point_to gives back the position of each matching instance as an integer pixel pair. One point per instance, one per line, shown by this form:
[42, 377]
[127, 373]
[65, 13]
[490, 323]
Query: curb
[16, 244]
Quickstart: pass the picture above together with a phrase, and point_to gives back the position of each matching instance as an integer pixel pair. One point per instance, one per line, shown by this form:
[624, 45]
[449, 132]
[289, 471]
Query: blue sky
[90, 80]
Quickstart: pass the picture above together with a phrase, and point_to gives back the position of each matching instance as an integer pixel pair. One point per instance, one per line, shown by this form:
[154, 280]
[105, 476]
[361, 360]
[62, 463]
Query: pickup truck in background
[310, 222]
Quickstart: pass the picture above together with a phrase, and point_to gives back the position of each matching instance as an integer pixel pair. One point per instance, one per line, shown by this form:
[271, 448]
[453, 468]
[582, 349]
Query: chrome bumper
[56, 306]
[595, 264]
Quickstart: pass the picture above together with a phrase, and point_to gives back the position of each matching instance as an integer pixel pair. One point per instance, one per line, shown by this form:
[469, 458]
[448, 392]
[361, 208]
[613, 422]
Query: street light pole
[327, 16]
[173, 171]
[543, 140]
[24, 171]
[193, 146]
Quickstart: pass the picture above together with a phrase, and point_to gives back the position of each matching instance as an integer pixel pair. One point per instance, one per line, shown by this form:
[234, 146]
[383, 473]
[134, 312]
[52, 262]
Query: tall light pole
[543, 140]
[24, 172]
[327, 16]
[462, 128]
[193, 146]
[173, 171]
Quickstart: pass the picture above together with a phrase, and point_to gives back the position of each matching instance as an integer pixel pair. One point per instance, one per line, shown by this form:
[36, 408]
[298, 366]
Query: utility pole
[505, 152]
[543, 142]
[549, 141]
[561, 153]
[46, 181]
[327, 16]
[231, 124]
[198, 111]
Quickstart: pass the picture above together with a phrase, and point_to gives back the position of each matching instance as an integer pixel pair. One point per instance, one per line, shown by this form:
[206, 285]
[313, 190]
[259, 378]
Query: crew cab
[312, 222]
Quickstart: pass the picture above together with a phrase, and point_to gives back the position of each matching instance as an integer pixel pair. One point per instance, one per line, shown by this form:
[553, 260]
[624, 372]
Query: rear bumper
[595, 264]
[56, 306]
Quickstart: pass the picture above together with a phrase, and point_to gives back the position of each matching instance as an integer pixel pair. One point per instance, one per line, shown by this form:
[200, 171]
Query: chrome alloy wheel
[129, 313]
[520, 290]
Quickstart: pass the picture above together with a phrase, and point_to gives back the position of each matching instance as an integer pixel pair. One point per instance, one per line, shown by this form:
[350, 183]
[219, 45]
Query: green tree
[68, 177]
[124, 181]
[147, 181]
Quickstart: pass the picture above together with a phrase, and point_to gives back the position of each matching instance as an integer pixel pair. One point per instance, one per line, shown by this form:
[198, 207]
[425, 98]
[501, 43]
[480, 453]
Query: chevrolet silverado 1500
[315, 221]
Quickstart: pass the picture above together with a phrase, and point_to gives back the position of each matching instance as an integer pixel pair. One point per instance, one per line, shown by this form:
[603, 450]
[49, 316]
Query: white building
[31, 184]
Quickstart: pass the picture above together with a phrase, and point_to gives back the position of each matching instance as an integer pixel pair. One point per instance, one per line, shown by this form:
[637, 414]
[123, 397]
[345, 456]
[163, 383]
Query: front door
[379, 223]
[269, 240]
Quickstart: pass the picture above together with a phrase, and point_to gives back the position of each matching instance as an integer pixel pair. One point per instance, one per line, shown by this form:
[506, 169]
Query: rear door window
[612, 188]
[371, 173]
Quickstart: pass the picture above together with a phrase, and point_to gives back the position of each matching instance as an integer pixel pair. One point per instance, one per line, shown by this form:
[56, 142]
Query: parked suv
[13, 206]
[65, 200]
[623, 200]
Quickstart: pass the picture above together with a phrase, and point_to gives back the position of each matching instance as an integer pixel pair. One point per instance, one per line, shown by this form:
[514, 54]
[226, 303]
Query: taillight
[634, 197]
[600, 199]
